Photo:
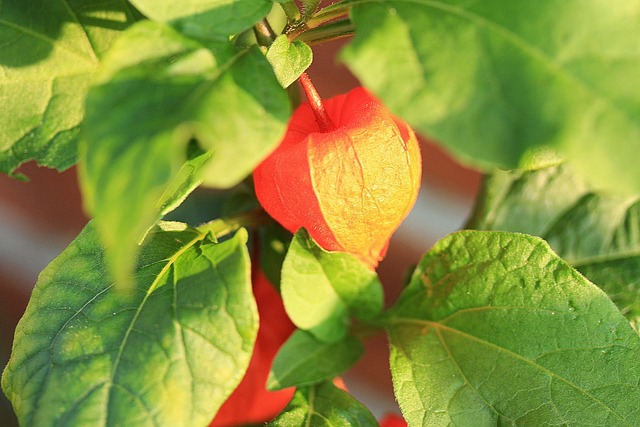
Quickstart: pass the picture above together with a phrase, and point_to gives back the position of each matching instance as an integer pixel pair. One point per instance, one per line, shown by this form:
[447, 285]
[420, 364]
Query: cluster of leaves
[142, 321]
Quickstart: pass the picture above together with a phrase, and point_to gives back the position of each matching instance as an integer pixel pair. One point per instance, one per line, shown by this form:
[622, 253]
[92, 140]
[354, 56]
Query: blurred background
[39, 219]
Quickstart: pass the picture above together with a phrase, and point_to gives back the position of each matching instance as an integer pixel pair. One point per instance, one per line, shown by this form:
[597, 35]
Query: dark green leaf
[528, 202]
[495, 329]
[289, 60]
[324, 405]
[49, 53]
[506, 83]
[274, 244]
[597, 233]
[204, 203]
[157, 90]
[304, 360]
[206, 18]
[321, 289]
[168, 353]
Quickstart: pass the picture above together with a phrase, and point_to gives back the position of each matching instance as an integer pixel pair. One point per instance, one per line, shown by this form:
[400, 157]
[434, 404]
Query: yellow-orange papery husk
[350, 186]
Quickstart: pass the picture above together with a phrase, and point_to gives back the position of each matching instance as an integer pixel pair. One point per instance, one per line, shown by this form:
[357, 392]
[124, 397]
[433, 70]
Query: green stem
[264, 33]
[329, 13]
[336, 11]
[310, 7]
[332, 31]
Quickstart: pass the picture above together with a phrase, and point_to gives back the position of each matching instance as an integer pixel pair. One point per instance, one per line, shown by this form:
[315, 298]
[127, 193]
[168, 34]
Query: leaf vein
[74, 15]
[438, 327]
[464, 377]
[29, 32]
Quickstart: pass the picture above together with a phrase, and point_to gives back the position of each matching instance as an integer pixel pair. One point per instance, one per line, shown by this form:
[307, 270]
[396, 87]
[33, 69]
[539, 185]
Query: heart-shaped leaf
[495, 329]
[324, 405]
[289, 59]
[170, 352]
[321, 289]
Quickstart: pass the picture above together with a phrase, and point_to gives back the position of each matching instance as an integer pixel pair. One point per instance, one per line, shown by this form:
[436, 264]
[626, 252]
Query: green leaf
[155, 92]
[274, 245]
[501, 83]
[168, 353]
[324, 405]
[200, 206]
[495, 329]
[304, 360]
[49, 53]
[186, 180]
[289, 60]
[206, 18]
[597, 233]
[321, 289]
[528, 202]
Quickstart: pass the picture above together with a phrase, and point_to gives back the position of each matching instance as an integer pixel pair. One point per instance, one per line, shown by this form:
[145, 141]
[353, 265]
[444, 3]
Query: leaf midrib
[439, 327]
[587, 260]
[53, 343]
[311, 406]
[74, 15]
[203, 88]
[165, 269]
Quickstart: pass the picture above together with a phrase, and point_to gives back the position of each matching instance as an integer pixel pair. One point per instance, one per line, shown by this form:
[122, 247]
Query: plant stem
[329, 13]
[264, 33]
[332, 31]
[310, 7]
[319, 111]
[323, 16]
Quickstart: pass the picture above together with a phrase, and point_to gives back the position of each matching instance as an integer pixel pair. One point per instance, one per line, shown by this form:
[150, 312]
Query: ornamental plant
[527, 316]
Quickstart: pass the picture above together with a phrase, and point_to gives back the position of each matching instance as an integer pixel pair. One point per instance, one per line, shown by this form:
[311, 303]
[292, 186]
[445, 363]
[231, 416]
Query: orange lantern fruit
[347, 170]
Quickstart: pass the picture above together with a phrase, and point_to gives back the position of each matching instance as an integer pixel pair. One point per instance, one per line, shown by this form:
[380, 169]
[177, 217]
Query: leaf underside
[305, 360]
[509, 84]
[162, 91]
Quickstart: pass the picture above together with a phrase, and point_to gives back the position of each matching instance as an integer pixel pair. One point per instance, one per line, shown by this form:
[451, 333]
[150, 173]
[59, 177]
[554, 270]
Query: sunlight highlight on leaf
[494, 328]
[497, 81]
[50, 51]
[171, 351]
